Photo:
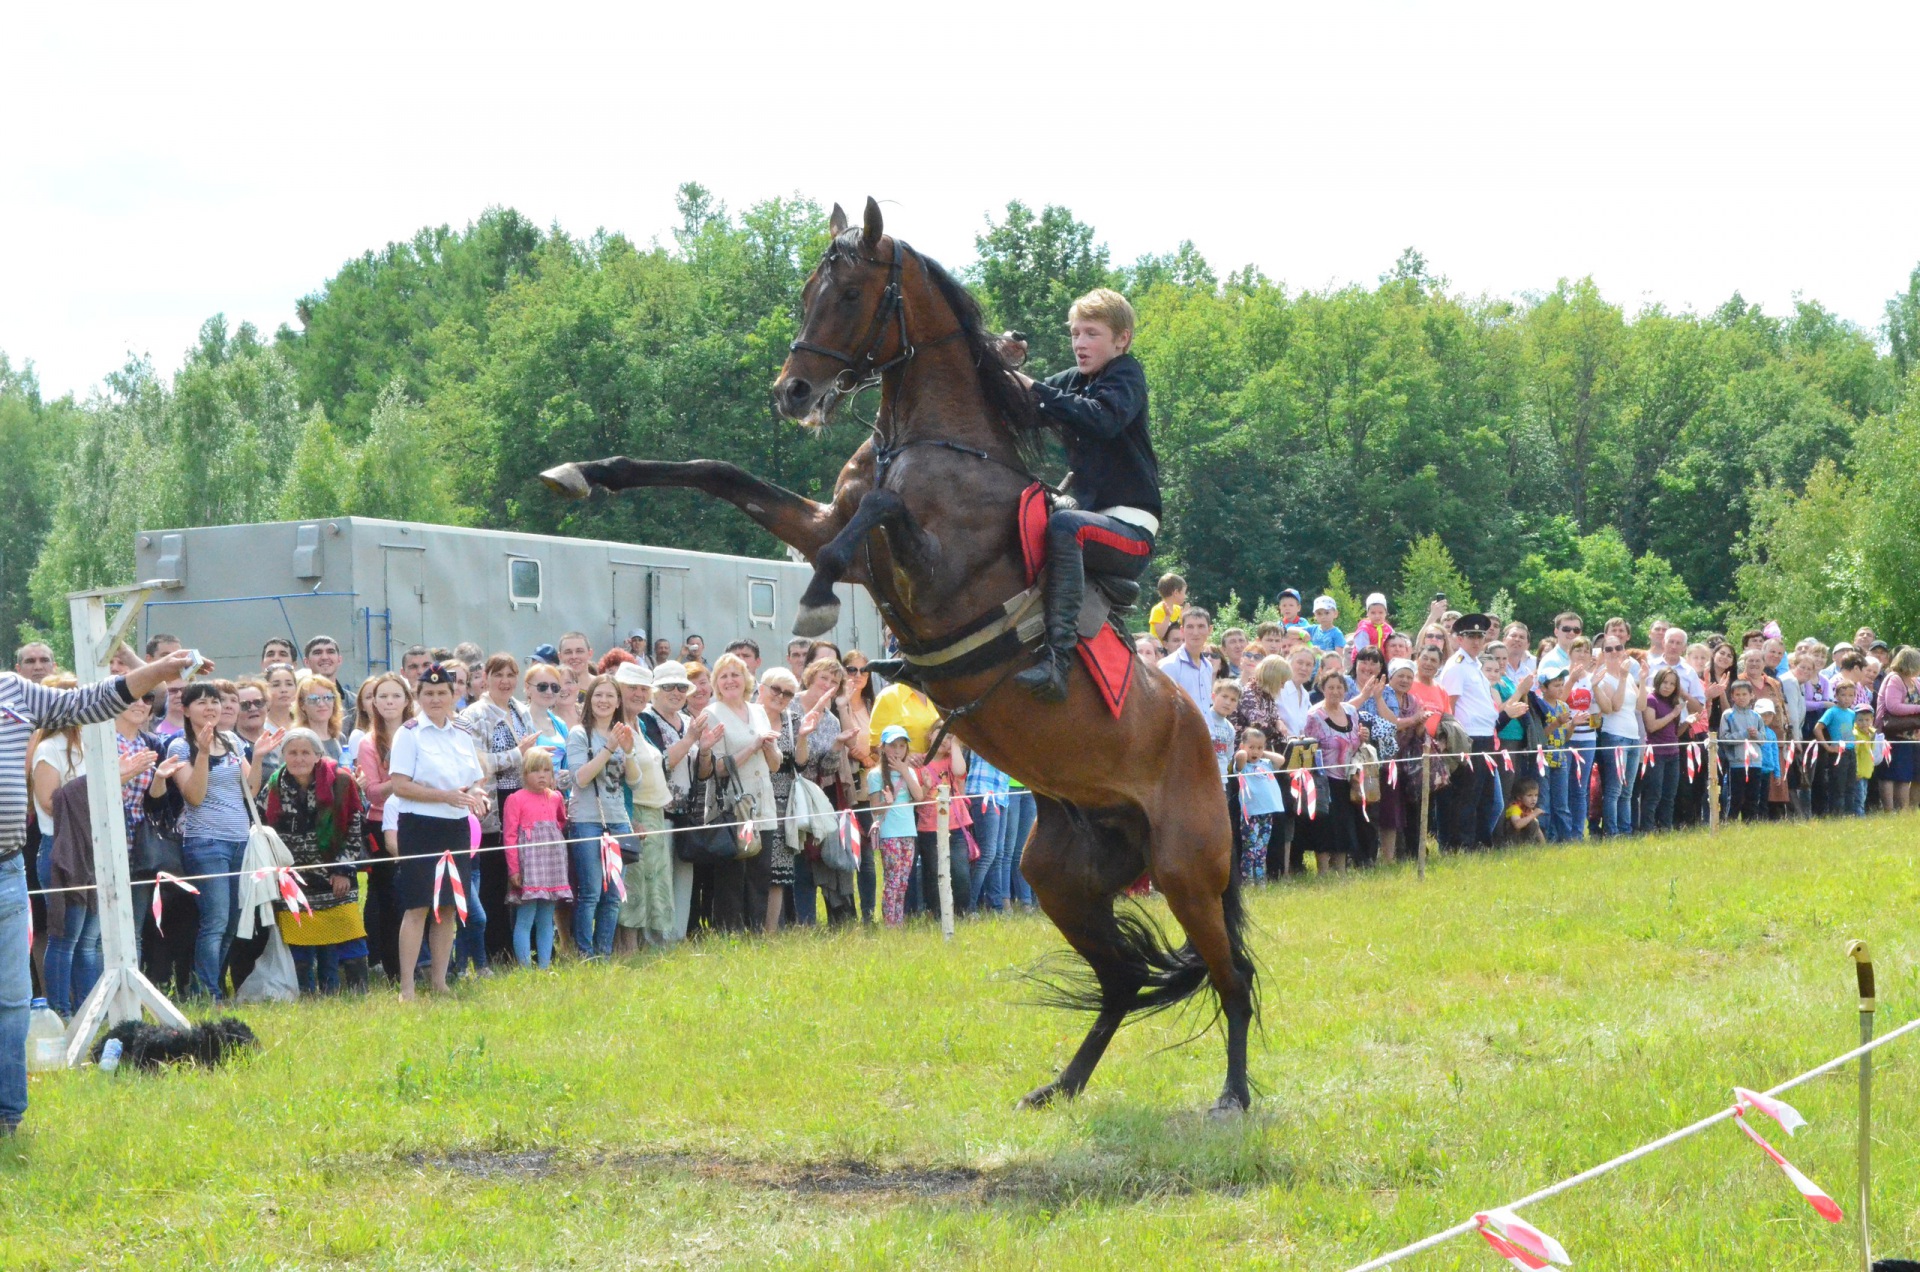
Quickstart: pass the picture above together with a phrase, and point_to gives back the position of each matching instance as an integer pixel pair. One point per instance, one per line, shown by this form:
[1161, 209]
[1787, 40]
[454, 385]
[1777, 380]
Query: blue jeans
[1616, 787]
[533, 929]
[1859, 796]
[219, 907]
[1579, 768]
[989, 831]
[73, 958]
[1015, 827]
[1556, 799]
[470, 938]
[596, 907]
[1663, 785]
[16, 989]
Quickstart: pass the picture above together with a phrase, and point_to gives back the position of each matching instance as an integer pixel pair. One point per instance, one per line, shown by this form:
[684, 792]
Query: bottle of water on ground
[46, 1038]
[110, 1056]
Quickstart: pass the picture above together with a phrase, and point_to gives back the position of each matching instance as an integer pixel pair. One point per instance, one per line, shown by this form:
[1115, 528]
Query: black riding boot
[1066, 588]
[353, 975]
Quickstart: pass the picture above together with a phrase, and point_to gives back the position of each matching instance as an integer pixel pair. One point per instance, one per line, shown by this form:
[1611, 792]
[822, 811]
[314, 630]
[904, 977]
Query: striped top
[25, 706]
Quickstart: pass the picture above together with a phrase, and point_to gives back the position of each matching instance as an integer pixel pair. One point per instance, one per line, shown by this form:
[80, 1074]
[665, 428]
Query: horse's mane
[1007, 399]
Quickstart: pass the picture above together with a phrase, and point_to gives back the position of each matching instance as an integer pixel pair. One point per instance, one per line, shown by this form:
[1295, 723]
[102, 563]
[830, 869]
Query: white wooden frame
[122, 990]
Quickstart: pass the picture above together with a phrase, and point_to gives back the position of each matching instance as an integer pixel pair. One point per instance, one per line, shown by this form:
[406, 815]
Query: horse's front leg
[795, 521]
[878, 510]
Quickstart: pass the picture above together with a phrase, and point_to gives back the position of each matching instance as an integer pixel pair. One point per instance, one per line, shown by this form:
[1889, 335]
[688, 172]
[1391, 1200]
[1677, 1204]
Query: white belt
[1132, 516]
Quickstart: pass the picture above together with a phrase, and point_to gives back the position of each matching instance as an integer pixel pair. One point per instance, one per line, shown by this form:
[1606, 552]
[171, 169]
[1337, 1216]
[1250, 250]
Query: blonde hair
[1273, 674]
[732, 662]
[334, 718]
[1104, 305]
[537, 760]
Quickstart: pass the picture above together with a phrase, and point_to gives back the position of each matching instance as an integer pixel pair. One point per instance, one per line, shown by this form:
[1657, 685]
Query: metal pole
[944, 864]
[1863, 975]
[1426, 799]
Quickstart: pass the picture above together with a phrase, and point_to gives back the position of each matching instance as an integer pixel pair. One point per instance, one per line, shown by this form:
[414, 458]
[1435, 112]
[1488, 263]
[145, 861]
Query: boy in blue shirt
[1746, 780]
[1835, 733]
[1325, 636]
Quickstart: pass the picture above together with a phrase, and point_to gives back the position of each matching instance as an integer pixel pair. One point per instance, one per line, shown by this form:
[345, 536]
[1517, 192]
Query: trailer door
[667, 610]
[406, 597]
[630, 593]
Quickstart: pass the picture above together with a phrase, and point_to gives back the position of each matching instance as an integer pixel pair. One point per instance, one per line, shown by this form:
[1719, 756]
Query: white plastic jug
[46, 1039]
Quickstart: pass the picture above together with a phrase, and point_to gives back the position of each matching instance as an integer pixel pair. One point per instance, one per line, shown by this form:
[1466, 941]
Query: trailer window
[760, 602]
[523, 582]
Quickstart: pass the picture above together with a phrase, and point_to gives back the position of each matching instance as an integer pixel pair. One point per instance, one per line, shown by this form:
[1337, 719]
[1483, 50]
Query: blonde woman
[749, 739]
[319, 709]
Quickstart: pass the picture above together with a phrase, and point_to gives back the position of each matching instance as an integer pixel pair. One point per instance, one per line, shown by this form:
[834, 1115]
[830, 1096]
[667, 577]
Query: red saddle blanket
[1107, 656]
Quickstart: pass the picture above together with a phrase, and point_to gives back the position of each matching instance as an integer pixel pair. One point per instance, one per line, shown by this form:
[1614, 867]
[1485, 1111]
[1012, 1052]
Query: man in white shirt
[1189, 665]
[1673, 653]
[1474, 794]
[1618, 698]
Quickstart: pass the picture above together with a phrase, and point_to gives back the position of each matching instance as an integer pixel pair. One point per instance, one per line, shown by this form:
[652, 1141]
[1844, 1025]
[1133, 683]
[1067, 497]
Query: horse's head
[852, 325]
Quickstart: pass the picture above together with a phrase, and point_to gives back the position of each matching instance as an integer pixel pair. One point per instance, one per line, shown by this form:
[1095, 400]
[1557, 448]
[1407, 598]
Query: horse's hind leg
[1075, 873]
[1193, 867]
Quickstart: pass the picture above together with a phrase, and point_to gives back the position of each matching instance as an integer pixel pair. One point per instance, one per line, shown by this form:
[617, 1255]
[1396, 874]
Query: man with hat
[637, 646]
[1473, 800]
[546, 654]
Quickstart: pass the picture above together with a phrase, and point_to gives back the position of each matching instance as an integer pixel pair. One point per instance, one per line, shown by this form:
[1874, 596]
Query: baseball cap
[1324, 603]
[638, 633]
[546, 654]
[893, 733]
[1764, 706]
[1294, 592]
[1376, 598]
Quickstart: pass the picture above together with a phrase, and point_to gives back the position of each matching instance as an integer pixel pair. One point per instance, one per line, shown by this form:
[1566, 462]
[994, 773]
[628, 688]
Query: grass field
[846, 1100]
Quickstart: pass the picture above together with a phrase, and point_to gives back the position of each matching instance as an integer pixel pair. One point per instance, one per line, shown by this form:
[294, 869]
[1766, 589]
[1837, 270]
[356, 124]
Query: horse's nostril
[798, 390]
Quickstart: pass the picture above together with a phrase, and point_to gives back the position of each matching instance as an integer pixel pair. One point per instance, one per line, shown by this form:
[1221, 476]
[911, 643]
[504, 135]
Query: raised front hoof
[1041, 1097]
[816, 620]
[567, 481]
[1227, 1108]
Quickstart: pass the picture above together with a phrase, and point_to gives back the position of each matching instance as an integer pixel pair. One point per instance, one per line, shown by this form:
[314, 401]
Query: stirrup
[1047, 679]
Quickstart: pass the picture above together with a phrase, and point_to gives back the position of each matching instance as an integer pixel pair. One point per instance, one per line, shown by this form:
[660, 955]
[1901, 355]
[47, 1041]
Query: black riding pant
[1094, 544]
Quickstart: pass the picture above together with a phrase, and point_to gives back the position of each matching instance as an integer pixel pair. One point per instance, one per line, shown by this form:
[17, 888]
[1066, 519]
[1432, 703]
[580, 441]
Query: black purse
[705, 844]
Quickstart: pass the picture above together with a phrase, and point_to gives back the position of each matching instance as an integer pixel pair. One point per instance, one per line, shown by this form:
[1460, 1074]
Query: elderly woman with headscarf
[314, 804]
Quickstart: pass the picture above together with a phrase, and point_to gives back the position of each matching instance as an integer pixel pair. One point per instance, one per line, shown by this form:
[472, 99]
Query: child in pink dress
[530, 825]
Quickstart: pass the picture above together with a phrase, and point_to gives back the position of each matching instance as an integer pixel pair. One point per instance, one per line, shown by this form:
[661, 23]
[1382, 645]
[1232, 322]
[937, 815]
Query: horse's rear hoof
[567, 481]
[1040, 1097]
[1227, 1108]
[816, 620]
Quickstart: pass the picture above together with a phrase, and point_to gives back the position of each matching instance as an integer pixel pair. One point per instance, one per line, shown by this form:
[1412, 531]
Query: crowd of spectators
[584, 779]
[1334, 741]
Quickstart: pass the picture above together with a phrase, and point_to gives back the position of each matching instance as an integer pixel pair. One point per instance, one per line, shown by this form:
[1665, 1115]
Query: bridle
[865, 369]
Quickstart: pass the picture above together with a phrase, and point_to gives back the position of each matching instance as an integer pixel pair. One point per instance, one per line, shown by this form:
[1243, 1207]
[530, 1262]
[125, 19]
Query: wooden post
[1713, 784]
[942, 810]
[121, 991]
[1426, 800]
[1863, 979]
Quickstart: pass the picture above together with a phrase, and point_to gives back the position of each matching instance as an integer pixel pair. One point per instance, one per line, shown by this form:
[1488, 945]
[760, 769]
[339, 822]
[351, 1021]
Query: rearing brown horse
[924, 515]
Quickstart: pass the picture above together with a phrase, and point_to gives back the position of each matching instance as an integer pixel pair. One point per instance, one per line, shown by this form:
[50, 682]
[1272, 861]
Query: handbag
[154, 850]
[1365, 787]
[710, 844]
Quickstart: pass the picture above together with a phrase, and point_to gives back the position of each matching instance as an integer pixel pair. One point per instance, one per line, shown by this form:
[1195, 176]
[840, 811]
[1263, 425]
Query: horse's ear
[837, 223]
[871, 234]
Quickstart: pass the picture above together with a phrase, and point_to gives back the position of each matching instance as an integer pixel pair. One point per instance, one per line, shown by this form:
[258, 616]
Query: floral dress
[775, 837]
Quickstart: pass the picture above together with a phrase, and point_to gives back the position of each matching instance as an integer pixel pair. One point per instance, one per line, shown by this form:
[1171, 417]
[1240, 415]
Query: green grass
[846, 1100]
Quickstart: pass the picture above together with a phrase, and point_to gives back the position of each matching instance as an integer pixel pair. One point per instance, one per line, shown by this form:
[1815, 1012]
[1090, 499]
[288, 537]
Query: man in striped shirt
[24, 707]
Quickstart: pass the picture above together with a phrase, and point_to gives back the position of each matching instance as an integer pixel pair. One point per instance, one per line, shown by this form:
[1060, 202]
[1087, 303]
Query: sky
[166, 163]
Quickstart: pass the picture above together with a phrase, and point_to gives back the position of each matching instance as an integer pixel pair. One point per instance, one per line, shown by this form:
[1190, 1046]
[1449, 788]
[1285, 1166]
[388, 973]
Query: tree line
[1525, 453]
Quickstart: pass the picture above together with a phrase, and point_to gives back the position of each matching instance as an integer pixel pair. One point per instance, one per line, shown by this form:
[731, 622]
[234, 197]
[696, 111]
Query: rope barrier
[1633, 1155]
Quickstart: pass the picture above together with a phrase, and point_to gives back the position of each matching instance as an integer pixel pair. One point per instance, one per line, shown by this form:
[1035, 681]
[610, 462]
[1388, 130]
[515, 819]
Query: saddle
[1018, 625]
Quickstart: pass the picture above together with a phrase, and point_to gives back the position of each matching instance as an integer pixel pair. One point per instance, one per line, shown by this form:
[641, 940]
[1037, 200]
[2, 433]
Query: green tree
[1030, 269]
[394, 475]
[320, 477]
[1426, 571]
[36, 437]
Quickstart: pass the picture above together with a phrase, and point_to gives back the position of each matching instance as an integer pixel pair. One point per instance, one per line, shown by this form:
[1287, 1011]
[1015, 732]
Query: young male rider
[1112, 511]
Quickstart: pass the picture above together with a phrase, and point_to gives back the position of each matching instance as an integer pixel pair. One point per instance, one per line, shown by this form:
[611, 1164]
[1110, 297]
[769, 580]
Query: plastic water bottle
[46, 1039]
[110, 1056]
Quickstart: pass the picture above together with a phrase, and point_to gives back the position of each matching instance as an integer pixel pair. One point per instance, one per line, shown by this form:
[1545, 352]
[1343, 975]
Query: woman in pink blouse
[1895, 713]
[1330, 834]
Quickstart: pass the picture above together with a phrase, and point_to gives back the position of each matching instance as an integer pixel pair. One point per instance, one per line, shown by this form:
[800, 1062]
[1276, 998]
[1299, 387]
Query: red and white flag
[613, 872]
[1790, 1121]
[290, 894]
[444, 869]
[850, 831]
[162, 877]
[1693, 761]
[1519, 1242]
[747, 833]
[1393, 776]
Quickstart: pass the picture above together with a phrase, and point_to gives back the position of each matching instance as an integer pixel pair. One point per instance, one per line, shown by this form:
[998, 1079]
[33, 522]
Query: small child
[1259, 800]
[897, 778]
[1374, 628]
[1520, 824]
[1836, 766]
[1746, 780]
[1165, 615]
[948, 765]
[1290, 610]
[1556, 754]
[536, 856]
[1777, 793]
[1219, 718]
[1325, 636]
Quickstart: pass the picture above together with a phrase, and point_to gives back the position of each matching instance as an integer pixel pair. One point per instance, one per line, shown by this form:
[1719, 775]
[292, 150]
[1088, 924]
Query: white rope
[1594, 1172]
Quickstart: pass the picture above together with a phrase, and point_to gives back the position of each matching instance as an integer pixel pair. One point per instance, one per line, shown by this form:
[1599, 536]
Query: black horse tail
[1136, 965]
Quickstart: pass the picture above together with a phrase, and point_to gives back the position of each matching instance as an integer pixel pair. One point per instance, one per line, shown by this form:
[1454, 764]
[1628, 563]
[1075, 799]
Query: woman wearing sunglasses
[319, 709]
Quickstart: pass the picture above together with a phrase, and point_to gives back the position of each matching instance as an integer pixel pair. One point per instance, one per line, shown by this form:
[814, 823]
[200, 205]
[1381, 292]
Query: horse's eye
[850, 295]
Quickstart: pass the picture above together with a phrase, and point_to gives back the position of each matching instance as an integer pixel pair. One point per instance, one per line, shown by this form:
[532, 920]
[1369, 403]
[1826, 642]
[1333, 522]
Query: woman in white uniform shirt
[437, 782]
